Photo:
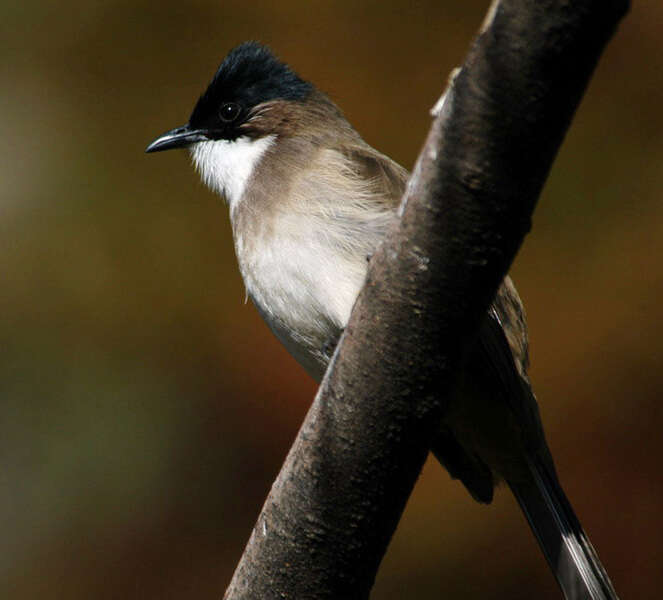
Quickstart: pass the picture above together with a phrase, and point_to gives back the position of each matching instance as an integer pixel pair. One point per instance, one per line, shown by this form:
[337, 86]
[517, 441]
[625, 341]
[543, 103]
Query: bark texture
[332, 510]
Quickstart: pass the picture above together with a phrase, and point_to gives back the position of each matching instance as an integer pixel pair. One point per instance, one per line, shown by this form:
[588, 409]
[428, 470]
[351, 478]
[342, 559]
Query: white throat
[226, 166]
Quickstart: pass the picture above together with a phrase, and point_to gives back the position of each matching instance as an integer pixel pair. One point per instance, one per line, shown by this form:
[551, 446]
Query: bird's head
[253, 100]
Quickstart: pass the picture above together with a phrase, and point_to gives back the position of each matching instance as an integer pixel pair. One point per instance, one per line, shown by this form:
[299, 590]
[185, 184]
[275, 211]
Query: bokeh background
[145, 408]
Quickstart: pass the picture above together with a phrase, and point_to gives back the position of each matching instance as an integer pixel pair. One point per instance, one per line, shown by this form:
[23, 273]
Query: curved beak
[179, 137]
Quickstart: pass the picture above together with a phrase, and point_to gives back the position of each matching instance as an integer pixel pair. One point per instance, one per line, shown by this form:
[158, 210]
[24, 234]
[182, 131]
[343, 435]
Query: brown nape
[317, 117]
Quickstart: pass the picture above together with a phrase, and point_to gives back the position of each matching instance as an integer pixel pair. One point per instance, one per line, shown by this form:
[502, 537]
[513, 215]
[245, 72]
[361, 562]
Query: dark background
[146, 408]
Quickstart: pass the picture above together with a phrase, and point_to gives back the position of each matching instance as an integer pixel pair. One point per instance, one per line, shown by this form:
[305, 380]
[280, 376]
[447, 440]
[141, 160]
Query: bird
[309, 201]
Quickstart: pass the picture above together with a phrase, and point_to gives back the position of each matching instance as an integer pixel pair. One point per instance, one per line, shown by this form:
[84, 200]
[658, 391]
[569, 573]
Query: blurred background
[146, 409]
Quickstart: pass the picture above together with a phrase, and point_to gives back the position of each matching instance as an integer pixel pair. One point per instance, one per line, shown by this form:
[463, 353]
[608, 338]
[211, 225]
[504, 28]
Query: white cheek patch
[226, 166]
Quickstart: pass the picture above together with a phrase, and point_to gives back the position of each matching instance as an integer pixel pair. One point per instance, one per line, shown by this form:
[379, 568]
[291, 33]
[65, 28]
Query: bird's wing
[387, 176]
[390, 180]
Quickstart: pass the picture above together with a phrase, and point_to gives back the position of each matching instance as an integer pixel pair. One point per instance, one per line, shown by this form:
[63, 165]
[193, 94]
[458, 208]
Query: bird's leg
[330, 344]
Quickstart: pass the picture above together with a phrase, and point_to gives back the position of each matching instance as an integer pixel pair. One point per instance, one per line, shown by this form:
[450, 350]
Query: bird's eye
[229, 111]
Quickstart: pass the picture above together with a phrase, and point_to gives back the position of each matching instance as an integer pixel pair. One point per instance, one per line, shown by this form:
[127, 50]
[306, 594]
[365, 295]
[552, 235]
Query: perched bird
[309, 202]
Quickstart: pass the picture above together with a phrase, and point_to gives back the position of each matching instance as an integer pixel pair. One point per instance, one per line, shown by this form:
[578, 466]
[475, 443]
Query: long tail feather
[567, 549]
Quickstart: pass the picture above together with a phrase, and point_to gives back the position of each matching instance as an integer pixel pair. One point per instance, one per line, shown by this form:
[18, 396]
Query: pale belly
[304, 291]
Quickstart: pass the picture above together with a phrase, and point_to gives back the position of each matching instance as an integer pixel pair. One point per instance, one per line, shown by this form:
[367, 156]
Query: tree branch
[335, 505]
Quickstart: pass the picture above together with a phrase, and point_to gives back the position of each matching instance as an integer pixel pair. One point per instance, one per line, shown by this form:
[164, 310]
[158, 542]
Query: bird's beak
[179, 137]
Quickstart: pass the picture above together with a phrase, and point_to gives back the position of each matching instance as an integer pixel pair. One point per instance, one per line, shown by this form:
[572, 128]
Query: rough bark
[337, 500]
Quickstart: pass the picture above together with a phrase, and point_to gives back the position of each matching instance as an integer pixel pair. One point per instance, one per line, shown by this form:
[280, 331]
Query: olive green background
[145, 408]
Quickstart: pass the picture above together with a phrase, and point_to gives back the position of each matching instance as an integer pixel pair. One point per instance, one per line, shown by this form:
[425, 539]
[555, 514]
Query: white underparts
[303, 255]
[226, 166]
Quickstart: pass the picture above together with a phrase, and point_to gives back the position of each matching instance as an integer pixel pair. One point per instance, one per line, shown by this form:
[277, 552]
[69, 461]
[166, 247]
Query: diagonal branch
[335, 505]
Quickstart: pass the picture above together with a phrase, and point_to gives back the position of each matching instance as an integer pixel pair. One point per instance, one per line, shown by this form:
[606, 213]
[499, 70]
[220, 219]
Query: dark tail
[569, 553]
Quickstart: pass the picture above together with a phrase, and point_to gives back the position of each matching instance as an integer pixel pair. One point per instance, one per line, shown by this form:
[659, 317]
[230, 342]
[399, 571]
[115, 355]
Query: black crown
[249, 75]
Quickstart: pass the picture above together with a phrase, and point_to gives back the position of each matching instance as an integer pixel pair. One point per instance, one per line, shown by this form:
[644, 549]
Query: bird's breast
[302, 236]
[302, 283]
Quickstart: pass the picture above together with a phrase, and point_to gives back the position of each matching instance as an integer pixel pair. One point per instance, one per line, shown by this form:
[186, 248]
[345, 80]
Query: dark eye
[229, 111]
